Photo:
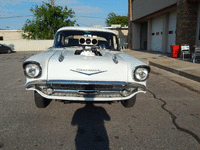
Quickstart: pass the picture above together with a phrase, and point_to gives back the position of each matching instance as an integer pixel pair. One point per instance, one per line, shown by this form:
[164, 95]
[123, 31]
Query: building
[6, 35]
[122, 33]
[14, 39]
[157, 24]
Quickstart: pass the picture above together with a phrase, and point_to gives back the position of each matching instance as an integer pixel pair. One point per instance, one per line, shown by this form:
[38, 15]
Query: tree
[47, 20]
[112, 18]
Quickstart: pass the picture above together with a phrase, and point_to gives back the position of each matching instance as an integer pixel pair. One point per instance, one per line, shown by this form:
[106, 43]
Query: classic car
[5, 49]
[85, 64]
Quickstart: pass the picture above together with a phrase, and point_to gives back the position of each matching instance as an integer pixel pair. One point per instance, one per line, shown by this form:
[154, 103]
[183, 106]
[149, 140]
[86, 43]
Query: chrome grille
[90, 91]
[101, 95]
[88, 87]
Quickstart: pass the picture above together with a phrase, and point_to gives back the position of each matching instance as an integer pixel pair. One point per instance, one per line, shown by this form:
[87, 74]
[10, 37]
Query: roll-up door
[157, 29]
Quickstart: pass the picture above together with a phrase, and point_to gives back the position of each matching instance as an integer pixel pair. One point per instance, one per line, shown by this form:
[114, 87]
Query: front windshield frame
[111, 39]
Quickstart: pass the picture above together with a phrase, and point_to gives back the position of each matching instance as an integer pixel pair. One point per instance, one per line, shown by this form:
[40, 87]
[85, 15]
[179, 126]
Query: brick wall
[186, 22]
[130, 13]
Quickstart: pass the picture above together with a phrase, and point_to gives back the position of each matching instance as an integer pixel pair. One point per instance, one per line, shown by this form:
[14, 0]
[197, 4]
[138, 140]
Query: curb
[181, 73]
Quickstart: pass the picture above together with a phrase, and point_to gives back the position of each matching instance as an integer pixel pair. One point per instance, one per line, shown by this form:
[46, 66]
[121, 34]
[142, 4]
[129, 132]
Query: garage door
[157, 29]
[172, 30]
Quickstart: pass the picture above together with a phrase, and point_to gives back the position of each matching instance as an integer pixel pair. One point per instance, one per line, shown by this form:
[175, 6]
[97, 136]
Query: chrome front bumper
[86, 90]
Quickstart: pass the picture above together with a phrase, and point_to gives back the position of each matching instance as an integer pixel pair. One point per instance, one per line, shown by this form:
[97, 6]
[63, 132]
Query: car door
[1, 48]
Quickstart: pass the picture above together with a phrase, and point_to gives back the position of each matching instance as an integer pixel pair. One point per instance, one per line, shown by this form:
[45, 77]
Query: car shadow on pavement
[91, 132]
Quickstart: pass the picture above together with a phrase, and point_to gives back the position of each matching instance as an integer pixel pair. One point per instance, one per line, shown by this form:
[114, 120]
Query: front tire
[129, 103]
[40, 101]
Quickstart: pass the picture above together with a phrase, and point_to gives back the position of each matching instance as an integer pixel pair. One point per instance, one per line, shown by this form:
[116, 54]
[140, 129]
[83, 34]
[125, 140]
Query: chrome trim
[86, 82]
[65, 91]
[125, 84]
[32, 62]
[65, 88]
[33, 83]
[88, 92]
[141, 66]
[80, 91]
[89, 74]
[110, 92]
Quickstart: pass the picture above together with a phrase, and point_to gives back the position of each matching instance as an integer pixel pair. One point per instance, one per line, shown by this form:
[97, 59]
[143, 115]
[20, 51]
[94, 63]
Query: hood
[65, 65]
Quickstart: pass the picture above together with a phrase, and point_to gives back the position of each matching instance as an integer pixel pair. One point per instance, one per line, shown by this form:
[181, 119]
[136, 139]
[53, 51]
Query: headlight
[32, 70]
[141, 73]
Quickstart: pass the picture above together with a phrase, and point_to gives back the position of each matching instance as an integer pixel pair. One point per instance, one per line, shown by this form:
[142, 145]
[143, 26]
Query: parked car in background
[85, 64]
[5, 49]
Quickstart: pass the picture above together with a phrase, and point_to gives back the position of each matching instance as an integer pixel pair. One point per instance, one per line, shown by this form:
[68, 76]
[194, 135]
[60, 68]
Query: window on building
[1, 38]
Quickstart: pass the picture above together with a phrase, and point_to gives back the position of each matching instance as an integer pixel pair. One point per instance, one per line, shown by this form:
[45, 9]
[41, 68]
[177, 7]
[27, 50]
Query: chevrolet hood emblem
[88, 72]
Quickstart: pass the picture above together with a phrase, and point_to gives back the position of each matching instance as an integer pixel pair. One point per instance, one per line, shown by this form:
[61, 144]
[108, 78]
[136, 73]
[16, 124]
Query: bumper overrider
[86, 90]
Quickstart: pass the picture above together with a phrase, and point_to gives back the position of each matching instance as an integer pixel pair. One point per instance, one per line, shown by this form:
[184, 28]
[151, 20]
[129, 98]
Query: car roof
[86, 29]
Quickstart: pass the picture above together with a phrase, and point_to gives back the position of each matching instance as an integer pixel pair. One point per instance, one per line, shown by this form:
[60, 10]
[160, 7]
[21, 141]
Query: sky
[14, 13]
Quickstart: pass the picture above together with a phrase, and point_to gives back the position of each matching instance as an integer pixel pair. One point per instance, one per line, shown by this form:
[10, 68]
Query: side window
[59, 40]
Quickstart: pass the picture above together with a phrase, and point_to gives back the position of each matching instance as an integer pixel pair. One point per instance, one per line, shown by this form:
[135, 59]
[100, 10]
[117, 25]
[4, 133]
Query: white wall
[28, 45]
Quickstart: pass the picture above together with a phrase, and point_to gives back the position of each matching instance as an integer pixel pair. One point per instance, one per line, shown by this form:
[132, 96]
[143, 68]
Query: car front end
[87, 70]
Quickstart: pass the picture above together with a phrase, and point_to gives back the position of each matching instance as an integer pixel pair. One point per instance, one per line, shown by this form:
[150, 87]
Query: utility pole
[52, 3]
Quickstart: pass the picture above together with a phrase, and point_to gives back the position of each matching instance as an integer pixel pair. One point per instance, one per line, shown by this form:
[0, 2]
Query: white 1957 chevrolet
[85, 64]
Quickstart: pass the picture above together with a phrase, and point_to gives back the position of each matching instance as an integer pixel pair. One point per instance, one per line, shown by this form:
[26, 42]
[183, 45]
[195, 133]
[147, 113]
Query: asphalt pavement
[166, 117]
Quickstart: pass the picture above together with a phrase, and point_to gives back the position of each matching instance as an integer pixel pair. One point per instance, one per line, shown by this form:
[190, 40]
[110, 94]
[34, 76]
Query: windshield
[74, 38]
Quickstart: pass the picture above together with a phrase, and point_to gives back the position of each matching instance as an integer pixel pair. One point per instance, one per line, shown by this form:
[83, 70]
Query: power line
[91, 17]
[32, 15]
[15, 17]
